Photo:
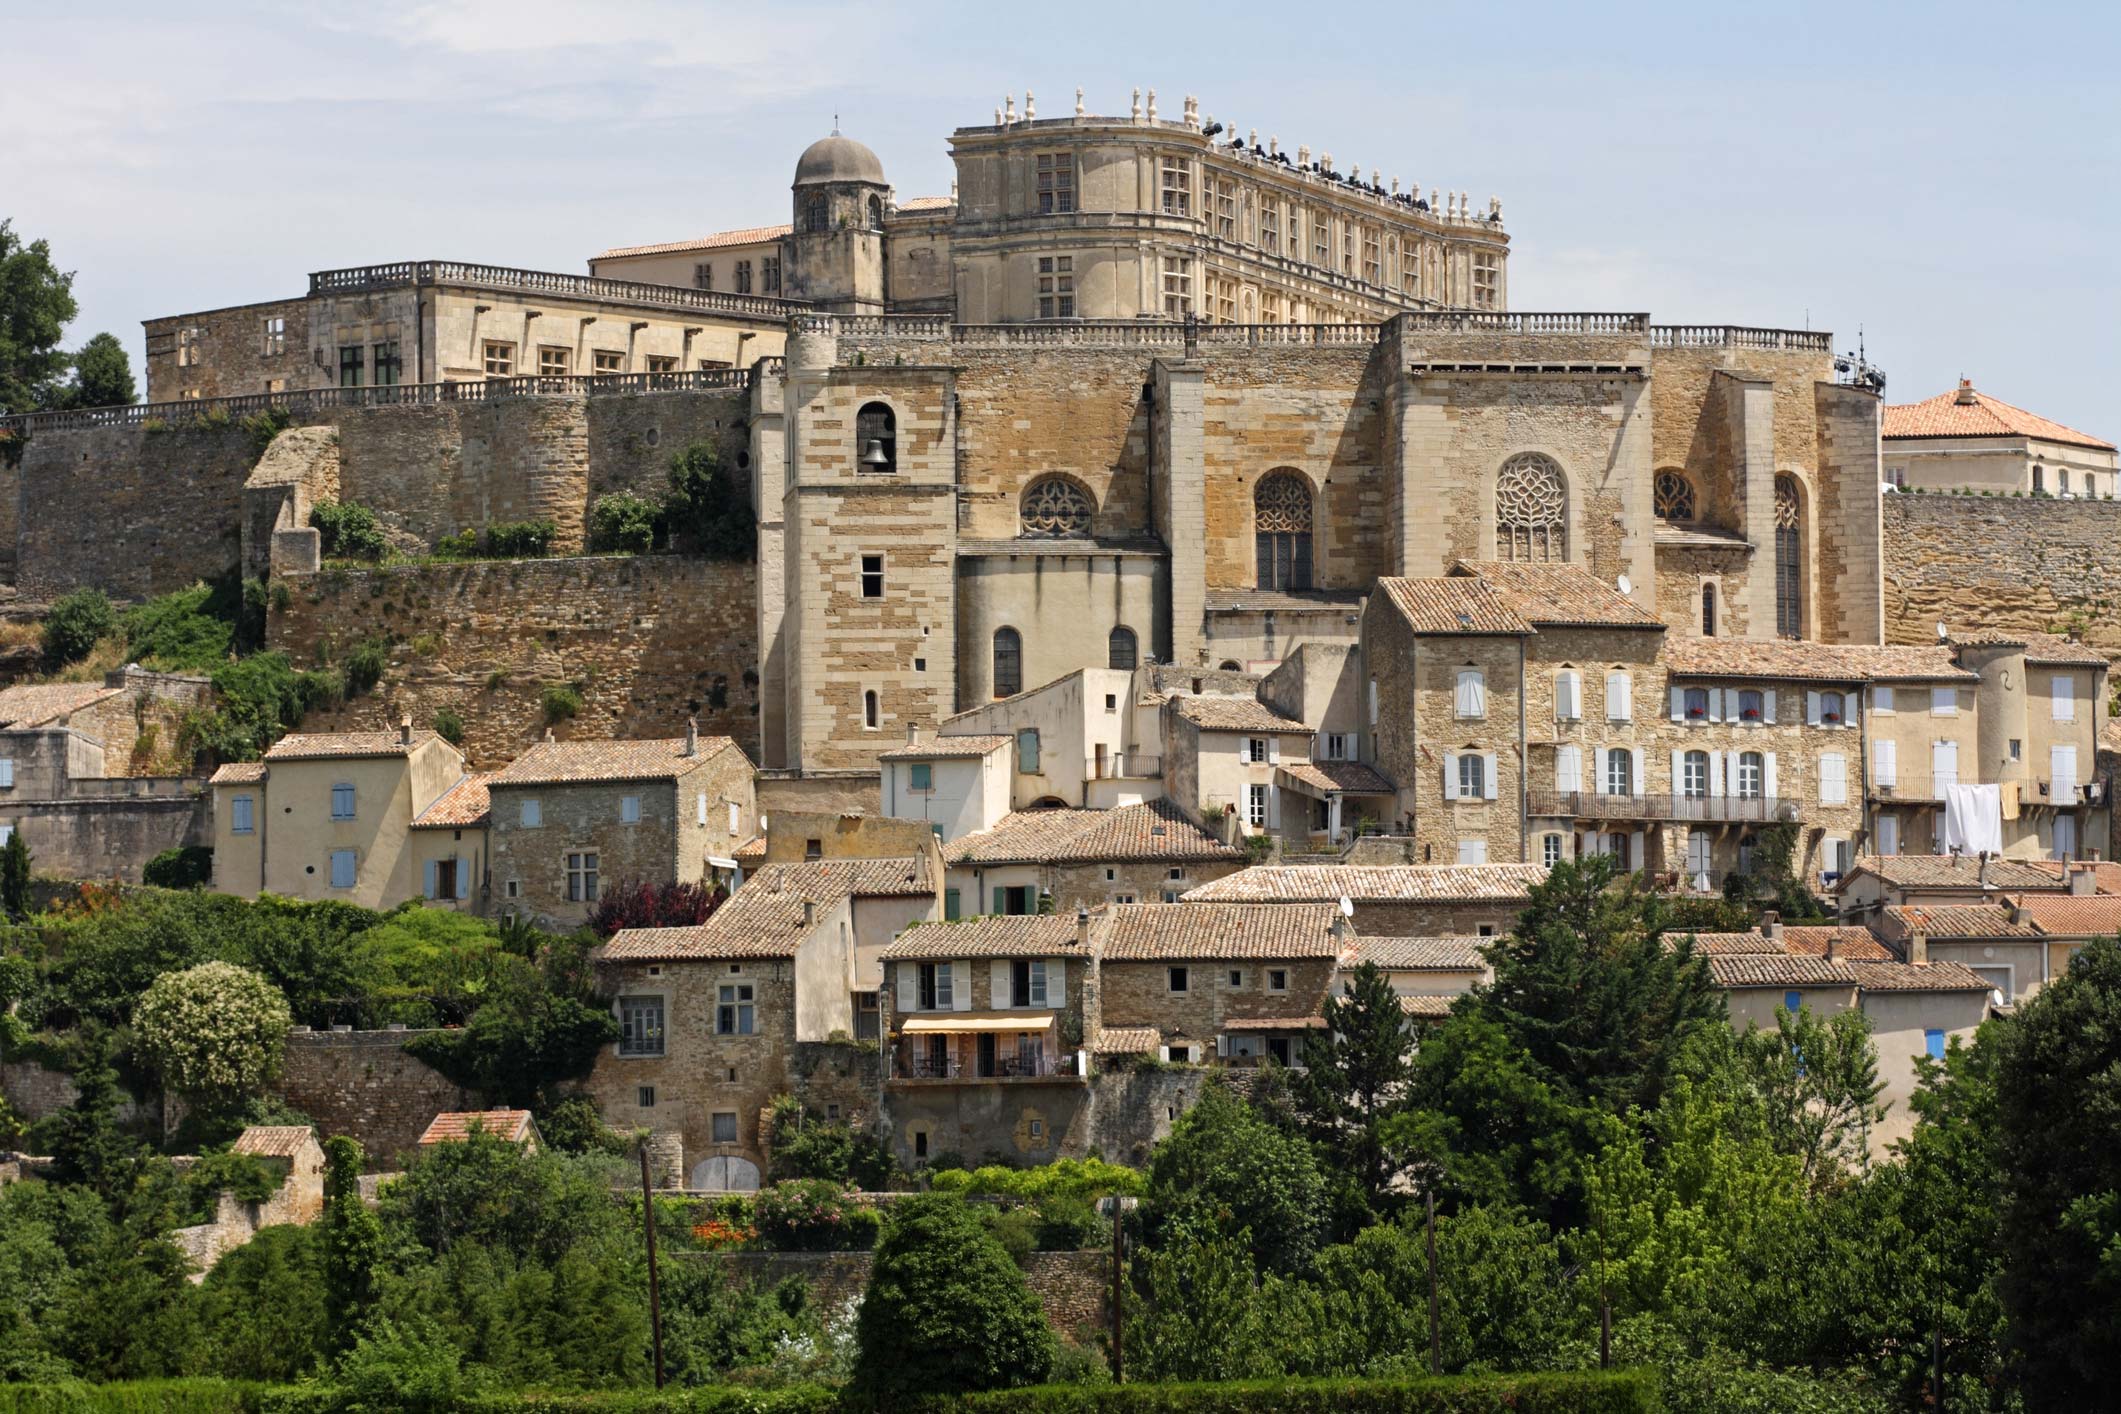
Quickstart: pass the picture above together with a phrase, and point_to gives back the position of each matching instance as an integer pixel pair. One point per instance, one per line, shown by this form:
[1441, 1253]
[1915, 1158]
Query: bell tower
[836, 252]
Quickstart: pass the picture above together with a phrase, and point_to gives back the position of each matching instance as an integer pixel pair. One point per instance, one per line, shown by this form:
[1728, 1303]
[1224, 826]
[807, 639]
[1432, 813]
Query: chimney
[405, 730]
[2019, 915]
[1982, 875]
[1831, 934]
[1082, 929]
[692, 736]
[1966, 398]
[913, 734]
[809, 914]
[1771, 925]
[549, 738]
[1918, 948]
[2083, 880]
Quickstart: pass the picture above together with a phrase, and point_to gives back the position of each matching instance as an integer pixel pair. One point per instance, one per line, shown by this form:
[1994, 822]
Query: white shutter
[1472, 851]
[1944, 702]
[1640, 785]
[1568, 769]
[960, 990]
[1881, 699]
[909, 994]
[736, 819]
[1373, 702]
[2062, 694]
[1885, 762]
[1678, 703]
[1273, 807]
[1056, 982]
[1678, 775]
[2062, 774]
[702, 805]
[1716, 704]
[430, 889]
[998, 984]
[1811, 709]
[1489, 777]
[1568, 695]
[1716, 769]
[1888, 834]
[1274, 749]
[1767, 776]
[1767, 703]
[1450, 775]
[1619, 697]
[7, 771]
[1833, 779]
[1944, 765]
[1636, 853]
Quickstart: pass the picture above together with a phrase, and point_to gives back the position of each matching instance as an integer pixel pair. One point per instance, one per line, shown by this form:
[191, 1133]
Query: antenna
[1627, 586]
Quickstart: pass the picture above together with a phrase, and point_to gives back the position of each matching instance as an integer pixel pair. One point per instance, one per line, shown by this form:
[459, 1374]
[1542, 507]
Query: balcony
[1696, 809]
[1123, 766]
[977, 1048]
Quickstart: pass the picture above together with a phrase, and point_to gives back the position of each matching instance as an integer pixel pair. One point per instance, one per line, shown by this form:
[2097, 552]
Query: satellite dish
[1627, 586]
[1347, 907]
[1942, 631]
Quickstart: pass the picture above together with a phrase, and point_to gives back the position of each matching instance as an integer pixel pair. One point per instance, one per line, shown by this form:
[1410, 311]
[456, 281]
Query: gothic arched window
[876, 213]
[1674, 497]
[1531, 510]
[1789, 559]
[1119, 649]
[1054, 508]
[1008, 662]
[1281, 521]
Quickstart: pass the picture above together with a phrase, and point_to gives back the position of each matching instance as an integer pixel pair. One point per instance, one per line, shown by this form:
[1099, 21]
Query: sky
[1945, 178]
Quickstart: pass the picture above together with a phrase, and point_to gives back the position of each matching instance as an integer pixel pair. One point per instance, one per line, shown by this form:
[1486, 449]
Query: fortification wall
[647, 640]
[2001, 563]
[364, 1084]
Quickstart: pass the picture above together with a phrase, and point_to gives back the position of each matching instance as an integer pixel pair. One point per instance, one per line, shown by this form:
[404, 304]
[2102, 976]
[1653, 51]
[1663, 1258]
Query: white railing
[1738, 336]
[401, 274]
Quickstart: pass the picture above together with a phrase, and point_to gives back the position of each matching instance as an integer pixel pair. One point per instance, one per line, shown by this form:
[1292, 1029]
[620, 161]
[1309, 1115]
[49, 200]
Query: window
[442, 879]
[703, 275]
[1237, 978]
[629, 810]
[1056, 183]
[1698, 857]
[1372, 259]
[1471, 699]
[1120, 649]
[1550, 850]
[1748, 705]
[1619, 771]
[1751, 780]
[533, 814]
[1568, 695]
[239, 815]
[275, 340]
[554, 361]
[724, 1131]
[1056, 287]
[607, 361]
[2062, 698]
[1027, 982]
[1053, 508]
[342, 801]
[1888, 834]
[1027, 751]
[1322, 245]
[1619, 697]
[1793, 1001]
[1270, 227]
[1178, 187]
[1281, 523]
[1833, 779]
[1789, 560]
[876, 213]
[876, 439]
[1221, 206]
[1178, 979]
[1008, 662]
[500, 359]
[1335, 747]
[1277, 979]
[2062, 774]
[352, 358]
[817, 215]
[770, 275]
[735, 1012]
[1933, 1037]
[872, 716]
[1944, 702]
[872, 576]
[1882, 700]
[389, 364]
[1694, 775]
[1472, 777]
[2062, 480]
[1178, 286]
[662, 363]
[640, 1026]
[1256, 806]
[1673, 497]
[1531, 510]
[189, 353]
[1487, 280]
[1222, 300]
[582, 876]
[1255, 750]
[743, 277]
[2065, 838]
[1472, 851]
[342, 868]
[1708, 611]
[1694, 704]
[920, 777]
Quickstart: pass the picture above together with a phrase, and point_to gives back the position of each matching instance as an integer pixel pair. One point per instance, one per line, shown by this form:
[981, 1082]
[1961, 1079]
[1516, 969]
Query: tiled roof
[1384, 883]
[1945, 416]
[925, 203]
[1457, 604]
[34, 704]
[1234, 714]
[764, 918]
[945, 748]
[1951, 871]
[239, 773]
[1930, 662]
[1025, 935]
[1348, 777]
[2043, 648]
[1450, 954]
[744, 235]
[274, 1141]
[1961, 920]
[2106, 873]
[463, 806]
[1911, 977]
[1850, 944]
[1793, 660]
[1752, 969]
[328, 746]
[1427, 1008]
[1125, 1041]
[751, 853]
[2073, 916]
[571, 762]
[1273, 1023]
[512, 1125]
[1144, 932]
[1559, 595]
[1158, 830]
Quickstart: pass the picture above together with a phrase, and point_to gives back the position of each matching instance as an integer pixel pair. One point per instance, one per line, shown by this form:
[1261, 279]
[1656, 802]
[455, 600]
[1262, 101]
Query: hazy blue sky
[1943, 175]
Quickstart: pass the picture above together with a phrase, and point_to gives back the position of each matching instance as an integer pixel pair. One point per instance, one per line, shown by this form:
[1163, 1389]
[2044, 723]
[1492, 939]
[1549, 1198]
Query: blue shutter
[1792, 1001]
[1933, 1042]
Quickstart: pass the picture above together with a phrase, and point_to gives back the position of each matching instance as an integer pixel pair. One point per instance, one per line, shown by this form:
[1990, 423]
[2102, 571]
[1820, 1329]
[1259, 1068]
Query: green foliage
[1067, 1223]
[812, 1215]
[1817, 1083]
[36, 305]
[1197, 1310]
[103, 375]
[262, 698]
[449, 725]
[262, 1313]
[396, 1367]
[1776, 881]
[945, 1310]
[573, 1126]
[187, 630]
[524, 1039]
[187, 866]
[249, 1179]
[560, 701]
[348, 530]
[706, 511]
[1078, 1178]
[620, 520]
[1354, 1078]
[83, 1139]
[75, 622]
[350, 1238]
[520, 540]
[1591, 1392]
[263, 427]
[215, 1031]
[14, 875]
[179, 1396]
[1226, 1169]
[827, 1149]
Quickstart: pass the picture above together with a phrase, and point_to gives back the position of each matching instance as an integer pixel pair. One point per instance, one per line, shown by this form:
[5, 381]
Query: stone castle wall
[647, 640]
[2001, 563]
[365, 1084]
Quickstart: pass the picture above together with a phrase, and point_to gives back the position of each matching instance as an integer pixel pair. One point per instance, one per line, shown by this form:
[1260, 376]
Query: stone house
[1064, 860]
[2017, 943]
[569, 819]
[1391, 901]
[958, 785]
[1919, 726]
[329, 815]
[2040, 703]
[713, 1019]
[293, 1152]
[1223, 760]
[1087, 738]
[1427, 967]
[449, 846]
[1967, 440]
[1920, 880]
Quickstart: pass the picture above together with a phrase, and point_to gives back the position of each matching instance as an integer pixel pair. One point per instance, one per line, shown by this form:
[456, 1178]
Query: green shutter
[1001, 900]
[950, 905]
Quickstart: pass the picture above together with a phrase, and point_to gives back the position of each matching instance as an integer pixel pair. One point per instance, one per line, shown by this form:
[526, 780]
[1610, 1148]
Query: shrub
[74, 624]
[188, 866]
[621, 520]
[705, 508]
[637, 903]
[1079, 1178]
[187, 630]
[573, 1126]
[263, 427]
[449, 725]
[364, 665]
[560, 701]
[1588, 1392]
[464, 545]
[1068, 1224]
[828, 1149]
[348, 530]
[812, 1215]
[521, 540]
[214, 1031]
[394, 1368]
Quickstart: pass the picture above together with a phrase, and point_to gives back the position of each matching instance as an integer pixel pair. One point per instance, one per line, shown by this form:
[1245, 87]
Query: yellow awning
[978, 1021]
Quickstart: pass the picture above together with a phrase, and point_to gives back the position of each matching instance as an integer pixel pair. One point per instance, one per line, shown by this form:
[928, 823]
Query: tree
[353, 1243]
[73, 626]
[103, 375]
[262, 1309]
[1816, 1082]
[637, 903]
[14, 875]
[946, 1310]
[705, 508]
[36, 305]
[1226, 1166]
[1200, 1313]
[1355, 1075]
[2058, 1088]
[216, 1032]
[523, 1040]
[84, 1139]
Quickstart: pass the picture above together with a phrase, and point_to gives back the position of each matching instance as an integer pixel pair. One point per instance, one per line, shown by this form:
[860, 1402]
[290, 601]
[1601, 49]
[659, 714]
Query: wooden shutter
[1678, 703]
[1716, 769]
[1811, 709]
[909, 986]
[1490, 777]
[1885, 762]
[1767, 776]
[1640, 784]
[998, 985]
[463, 877]
[1450, 775]
[1767, 705]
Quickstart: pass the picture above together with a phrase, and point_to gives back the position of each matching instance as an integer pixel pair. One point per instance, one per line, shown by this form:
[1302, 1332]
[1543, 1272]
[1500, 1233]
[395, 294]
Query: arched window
[817, 216]
[876, 213]
[1119, 649]
[876, 438]
[1281, 520]
[871, 716]
[1054, 508]
[1531, 510]
[1008, 662]
[1708, 611]
[1231, 665]
[1789, 560]
[1674, 497]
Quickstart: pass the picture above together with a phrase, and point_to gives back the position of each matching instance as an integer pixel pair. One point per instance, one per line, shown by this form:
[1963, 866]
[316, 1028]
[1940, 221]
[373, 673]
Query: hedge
[136, 1397]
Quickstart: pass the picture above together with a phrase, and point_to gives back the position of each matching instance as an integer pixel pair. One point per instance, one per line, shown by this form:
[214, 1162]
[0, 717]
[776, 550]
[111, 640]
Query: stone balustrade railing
[1735, 336]
[595, 289]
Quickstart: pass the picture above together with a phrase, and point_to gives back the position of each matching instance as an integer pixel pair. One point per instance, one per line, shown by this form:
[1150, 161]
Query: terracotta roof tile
[1960, 920]
[239, 773]
[1448, 954]
[1347, 777]
[1910, 977]
[1145, 932]
[924, 203]
[1951, 871]
[1248, 1024]
[512, 1125]
[2046, 649]
[328, 746]
[1234, 714]
[1023, 935]
[1986, 416]
[2074, 916]
[36, 704]
[1454, 604]
[2106, 873]
[1850, 944]
[743, 235]
[579, 762]
[751, 853]
[1740, 970]
[1560, 595]
[945, 748]
[1794, 660]
[1126, 1041]
[274, 1141]
[463, 806]
[1157, 830]
[1386, 883]
[1427, 1008]
[764, 917]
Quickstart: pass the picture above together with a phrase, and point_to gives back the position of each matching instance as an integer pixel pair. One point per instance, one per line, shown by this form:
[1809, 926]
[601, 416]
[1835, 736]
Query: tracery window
[1054, 508]
[1674, 497]
[1531, 510]
[1281, 516]
[1789, 560]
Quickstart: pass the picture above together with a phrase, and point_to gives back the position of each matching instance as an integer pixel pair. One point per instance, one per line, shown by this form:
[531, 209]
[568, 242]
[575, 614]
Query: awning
[959, 1021]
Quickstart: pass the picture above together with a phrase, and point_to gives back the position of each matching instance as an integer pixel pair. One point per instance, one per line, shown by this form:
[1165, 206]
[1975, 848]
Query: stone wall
[2001, 563]
[1074, 1288]
[647, 640]
[365, 1084]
